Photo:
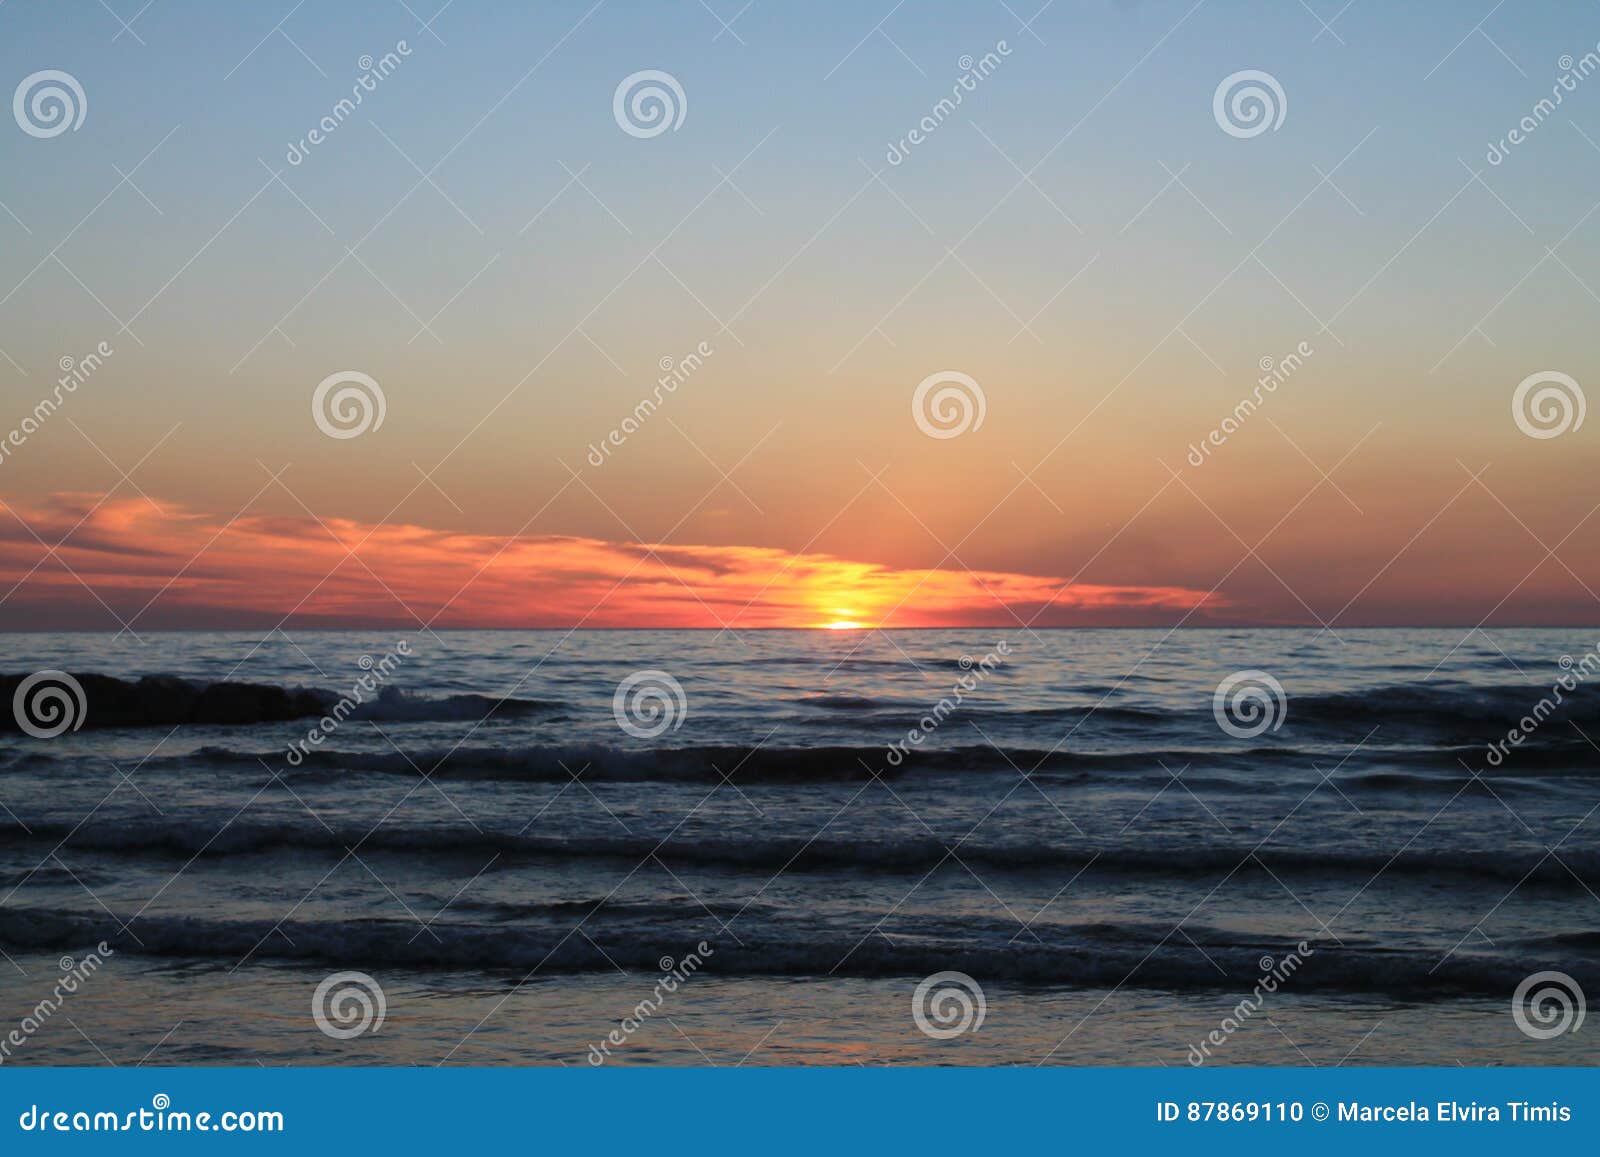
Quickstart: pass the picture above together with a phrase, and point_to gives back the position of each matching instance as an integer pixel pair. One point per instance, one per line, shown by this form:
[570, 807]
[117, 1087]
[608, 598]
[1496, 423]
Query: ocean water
[1069, 844]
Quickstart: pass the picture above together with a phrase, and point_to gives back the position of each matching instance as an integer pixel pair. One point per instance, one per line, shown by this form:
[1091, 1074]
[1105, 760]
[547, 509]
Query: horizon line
[1019, 628]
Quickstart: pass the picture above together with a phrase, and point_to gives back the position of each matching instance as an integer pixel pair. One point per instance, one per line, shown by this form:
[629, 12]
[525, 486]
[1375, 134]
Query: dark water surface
[1075, 831]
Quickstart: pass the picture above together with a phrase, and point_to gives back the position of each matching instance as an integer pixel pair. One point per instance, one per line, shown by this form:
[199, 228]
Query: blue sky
[555, 259]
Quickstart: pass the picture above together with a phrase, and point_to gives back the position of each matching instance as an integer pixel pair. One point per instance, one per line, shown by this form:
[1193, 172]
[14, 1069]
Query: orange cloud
[127, 559]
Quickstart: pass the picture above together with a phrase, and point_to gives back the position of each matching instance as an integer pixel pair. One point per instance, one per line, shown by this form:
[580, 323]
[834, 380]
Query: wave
[202, 839]
[1452, 711]
[854, 703]
[1482, 711]
[671, 908]
[166, 701]
[1471, 712]
[787, 948]
[397, 706]
[1474, 712]
[1416, 768]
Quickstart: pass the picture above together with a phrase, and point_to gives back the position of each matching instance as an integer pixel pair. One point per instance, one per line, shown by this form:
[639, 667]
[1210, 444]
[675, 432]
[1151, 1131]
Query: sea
[987, 846]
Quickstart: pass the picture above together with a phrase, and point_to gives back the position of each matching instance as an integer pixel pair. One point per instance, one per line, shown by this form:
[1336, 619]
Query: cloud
[84, 561]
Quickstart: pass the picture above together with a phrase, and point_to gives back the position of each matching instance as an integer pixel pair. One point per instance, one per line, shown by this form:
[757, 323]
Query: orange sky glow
[161, 565]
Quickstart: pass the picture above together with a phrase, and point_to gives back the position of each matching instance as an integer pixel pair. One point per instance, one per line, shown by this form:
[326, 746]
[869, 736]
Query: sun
[841, 618]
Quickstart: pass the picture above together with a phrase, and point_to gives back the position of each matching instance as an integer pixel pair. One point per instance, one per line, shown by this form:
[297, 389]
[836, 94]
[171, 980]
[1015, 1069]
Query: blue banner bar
[807, 1111]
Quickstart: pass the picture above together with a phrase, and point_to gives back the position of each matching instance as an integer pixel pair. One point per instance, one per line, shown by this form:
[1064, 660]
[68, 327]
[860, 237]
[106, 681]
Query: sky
[1081, 244]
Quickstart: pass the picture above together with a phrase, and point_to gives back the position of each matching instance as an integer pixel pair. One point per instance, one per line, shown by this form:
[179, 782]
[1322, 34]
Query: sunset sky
[1079, 237]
